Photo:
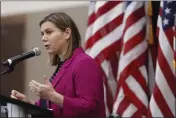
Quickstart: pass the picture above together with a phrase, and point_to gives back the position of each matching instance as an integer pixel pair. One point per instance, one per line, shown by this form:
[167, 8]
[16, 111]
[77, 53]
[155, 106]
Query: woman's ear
[67, 33]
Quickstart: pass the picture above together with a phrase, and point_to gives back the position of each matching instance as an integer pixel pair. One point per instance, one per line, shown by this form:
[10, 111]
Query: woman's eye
[48, 32]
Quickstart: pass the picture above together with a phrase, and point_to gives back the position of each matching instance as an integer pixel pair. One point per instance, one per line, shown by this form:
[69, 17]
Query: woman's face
[55, 40]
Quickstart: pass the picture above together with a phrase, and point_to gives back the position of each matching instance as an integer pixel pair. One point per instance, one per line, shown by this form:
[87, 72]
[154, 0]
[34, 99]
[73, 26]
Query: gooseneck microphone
[14, 60]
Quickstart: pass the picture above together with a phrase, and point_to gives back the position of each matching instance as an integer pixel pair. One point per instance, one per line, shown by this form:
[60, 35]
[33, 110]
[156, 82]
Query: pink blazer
[80, 81]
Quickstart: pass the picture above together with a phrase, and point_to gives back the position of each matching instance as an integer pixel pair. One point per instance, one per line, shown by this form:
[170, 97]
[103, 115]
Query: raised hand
[42, 90]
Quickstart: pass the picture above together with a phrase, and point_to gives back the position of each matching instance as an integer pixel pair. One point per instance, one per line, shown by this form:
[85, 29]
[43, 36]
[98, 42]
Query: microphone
[14, 60]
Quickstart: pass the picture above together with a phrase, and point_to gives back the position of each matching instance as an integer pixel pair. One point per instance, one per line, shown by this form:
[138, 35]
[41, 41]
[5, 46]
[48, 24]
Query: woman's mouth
[46, 46]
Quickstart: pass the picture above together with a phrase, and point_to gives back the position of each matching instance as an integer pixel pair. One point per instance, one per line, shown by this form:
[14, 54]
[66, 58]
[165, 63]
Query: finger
[13, 97]
[32, 85]
[35, 91]
[36, 83]
[33, 88]
[46, 79]
[14, 92]
[19, 95]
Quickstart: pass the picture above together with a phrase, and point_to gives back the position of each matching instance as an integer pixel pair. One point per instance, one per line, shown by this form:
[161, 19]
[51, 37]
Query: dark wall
[12, 35]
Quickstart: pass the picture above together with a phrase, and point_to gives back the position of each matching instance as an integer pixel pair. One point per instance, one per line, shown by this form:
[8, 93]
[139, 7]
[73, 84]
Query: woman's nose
[44, 38]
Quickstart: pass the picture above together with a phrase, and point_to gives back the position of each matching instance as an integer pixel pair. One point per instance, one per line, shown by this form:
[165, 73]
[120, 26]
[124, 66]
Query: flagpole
[175, 52]
[174, 45]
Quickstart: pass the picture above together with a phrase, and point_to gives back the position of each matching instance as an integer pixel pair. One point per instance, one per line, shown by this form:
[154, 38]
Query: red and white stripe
[132, 98]
[162, 103]
[102, 40]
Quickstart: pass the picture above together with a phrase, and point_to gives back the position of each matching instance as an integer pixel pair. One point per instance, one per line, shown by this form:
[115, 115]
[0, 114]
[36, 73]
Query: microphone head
[37, 51]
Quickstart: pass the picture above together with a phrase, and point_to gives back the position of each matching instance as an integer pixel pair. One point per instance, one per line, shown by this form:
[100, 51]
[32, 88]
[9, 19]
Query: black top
[42, 101]
[57, 70]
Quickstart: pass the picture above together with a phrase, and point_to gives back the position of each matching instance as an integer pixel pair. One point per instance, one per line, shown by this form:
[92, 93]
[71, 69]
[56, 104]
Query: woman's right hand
[19, 96]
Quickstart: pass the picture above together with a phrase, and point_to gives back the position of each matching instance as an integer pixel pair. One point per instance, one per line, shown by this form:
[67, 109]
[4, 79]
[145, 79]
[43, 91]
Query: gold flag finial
[150, 14]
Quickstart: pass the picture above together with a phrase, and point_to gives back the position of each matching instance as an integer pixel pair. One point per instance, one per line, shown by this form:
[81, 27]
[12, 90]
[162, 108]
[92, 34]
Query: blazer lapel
[58, 76]
[61, 72]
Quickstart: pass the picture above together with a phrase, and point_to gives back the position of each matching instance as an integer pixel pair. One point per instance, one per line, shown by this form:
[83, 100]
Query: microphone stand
[9, 69]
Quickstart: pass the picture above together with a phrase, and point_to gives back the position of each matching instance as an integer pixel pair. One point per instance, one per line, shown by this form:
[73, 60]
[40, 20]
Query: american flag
[162, 103]
[132, 91]
[103, 42]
